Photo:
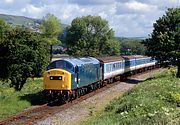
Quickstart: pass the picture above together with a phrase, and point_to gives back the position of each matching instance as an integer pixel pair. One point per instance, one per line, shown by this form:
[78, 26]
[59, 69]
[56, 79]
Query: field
[12, 102]
[152, 102]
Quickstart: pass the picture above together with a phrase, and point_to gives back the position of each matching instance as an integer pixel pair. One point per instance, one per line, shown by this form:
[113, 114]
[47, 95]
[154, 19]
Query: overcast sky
[128, 18]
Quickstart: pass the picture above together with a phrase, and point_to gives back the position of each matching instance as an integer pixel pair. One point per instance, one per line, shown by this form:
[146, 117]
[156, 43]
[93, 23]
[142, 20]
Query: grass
[12, 102]
[153, 102]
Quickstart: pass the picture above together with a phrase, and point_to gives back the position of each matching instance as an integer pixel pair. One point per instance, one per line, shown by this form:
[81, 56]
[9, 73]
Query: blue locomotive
[69, 78]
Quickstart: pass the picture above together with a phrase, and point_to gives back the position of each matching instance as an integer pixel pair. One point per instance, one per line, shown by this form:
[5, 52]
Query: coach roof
[110, 59]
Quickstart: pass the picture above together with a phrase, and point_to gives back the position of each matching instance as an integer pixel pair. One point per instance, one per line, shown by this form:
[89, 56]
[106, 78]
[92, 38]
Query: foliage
[23, 54]
[175, 97]
[148, 103]
[132, 47]
[4, 29]
[111, 48]
[12, 102]
[164, 42]
[91, 36]
[51, 28]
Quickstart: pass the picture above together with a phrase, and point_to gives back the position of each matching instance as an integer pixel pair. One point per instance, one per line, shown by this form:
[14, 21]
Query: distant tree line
[132, 47]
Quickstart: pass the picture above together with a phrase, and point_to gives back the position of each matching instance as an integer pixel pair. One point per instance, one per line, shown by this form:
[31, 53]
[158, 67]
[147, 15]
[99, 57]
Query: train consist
[68, 78]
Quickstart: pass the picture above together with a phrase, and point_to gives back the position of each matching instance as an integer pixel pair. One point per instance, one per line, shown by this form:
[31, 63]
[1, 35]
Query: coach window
[107, 68]
[114, 65]
[137, 62]
[140, 61]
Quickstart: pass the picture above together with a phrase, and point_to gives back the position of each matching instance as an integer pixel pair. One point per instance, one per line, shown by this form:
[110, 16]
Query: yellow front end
[57, 79]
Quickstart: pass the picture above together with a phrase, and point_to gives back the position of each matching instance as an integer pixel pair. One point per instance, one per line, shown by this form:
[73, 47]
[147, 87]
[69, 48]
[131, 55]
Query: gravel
[75, 114]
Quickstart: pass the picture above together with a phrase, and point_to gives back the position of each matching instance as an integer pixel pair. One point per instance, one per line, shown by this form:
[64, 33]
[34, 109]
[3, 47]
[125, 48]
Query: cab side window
[69, 66]
[51, 66]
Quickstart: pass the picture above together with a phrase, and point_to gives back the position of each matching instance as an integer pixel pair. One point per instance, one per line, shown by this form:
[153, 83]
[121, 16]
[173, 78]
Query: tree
[51, 28]
[164, 42]
[111, 48]
[91, 36]
[4, 29]
[22, 54]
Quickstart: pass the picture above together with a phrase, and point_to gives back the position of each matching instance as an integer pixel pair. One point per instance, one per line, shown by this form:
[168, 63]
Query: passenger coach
[112, 67]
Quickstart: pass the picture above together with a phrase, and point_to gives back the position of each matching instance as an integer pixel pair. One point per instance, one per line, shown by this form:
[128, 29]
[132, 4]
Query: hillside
[20, 21]
[23, 21]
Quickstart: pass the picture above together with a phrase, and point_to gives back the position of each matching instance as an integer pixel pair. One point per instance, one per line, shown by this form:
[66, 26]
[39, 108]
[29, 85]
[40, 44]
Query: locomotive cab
[58, 76]
[56, 79]
[65, 76]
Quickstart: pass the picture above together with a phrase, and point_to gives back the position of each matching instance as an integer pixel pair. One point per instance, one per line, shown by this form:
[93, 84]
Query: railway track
[28, 117]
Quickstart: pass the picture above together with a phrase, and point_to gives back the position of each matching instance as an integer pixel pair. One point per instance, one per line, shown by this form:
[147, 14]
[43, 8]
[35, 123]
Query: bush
[175, 97]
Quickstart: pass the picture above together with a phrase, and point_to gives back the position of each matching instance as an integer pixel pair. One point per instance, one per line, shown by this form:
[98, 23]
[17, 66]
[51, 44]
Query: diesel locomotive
[69, 78]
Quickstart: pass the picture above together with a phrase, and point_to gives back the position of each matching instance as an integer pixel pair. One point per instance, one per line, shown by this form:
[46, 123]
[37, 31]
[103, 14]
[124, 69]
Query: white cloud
[9, 1]
[92, 2]
[134, 7]
[126, 17]
[32, 10]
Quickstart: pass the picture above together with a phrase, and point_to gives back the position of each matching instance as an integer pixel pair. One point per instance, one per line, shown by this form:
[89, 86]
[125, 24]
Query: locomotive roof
[110, 59]
[81, 61]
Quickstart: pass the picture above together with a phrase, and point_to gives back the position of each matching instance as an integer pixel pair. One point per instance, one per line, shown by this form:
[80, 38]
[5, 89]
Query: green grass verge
[152, 102]
[12, 102]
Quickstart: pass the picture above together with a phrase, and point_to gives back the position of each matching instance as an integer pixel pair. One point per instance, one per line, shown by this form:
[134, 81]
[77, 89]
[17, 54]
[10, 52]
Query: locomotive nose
[57, 79]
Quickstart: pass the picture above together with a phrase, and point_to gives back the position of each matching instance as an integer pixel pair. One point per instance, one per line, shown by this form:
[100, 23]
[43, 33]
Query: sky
[128, 18]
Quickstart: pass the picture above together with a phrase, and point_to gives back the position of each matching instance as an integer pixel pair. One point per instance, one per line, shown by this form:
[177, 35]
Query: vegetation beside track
[12, 101]
[154, 101]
